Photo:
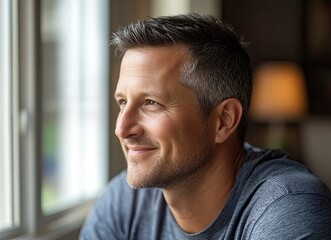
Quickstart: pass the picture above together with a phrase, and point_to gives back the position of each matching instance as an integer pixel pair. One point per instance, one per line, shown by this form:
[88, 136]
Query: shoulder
[274, 170]
[294, 215]
[284, 199]
[270, 175]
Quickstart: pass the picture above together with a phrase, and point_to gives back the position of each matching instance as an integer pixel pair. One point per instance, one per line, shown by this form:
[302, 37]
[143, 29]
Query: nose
[128, 124]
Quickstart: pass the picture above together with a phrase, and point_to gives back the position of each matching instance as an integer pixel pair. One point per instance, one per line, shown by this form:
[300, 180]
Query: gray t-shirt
[273, 198]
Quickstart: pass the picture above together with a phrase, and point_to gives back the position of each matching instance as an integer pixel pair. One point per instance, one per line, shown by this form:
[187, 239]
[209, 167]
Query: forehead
[156, 59]
[152, 65]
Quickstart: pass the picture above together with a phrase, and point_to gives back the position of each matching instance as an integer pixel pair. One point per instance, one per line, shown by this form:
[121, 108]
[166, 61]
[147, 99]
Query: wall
[316, 133]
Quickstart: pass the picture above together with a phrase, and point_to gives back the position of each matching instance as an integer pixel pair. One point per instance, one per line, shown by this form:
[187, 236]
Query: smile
[139, 150]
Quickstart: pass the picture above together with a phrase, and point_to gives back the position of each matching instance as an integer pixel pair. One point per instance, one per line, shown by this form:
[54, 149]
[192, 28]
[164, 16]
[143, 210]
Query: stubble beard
[167, 174]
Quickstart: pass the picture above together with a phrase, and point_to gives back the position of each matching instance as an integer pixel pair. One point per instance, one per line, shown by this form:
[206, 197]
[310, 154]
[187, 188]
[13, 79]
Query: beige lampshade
[279, 92]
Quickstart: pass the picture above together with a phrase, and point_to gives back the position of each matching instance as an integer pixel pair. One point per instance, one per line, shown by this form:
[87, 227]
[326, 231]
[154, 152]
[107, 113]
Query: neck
[197, 202]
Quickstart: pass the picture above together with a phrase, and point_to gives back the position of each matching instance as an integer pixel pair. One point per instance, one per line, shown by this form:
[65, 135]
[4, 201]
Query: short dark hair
[218, 67]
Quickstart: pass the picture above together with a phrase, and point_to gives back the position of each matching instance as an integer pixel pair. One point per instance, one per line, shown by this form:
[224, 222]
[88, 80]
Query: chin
[136, 178]
[136, 183]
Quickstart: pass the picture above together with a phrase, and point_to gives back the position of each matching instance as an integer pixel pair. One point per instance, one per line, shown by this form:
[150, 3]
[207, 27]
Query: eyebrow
[156, 93]
[118, 95]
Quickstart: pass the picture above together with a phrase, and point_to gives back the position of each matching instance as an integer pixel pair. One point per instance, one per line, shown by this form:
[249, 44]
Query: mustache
[141, 141]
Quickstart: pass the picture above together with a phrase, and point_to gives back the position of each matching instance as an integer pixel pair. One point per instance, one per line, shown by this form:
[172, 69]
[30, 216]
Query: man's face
[164, 138]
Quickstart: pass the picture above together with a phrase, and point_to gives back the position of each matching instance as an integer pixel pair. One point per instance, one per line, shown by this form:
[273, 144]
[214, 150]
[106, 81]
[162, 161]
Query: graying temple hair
[218, 67]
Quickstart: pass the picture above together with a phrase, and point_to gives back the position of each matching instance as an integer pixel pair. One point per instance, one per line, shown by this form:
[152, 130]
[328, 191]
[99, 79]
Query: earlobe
[229, 113]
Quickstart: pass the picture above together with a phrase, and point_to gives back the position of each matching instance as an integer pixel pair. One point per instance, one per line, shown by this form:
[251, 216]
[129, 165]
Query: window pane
[6, 160]
[74, 101]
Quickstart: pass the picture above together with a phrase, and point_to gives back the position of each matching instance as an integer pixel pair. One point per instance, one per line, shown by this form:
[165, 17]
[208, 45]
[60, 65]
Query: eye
[121, 102]
[151, 102]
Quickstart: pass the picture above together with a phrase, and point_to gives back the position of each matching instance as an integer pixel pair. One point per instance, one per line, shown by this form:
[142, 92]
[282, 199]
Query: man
[183, 92]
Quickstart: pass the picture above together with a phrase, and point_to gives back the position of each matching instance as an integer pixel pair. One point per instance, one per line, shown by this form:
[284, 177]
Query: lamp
[279, 96]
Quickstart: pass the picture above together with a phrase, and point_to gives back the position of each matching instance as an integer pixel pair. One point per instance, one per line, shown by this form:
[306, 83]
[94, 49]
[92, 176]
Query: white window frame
[13, 153]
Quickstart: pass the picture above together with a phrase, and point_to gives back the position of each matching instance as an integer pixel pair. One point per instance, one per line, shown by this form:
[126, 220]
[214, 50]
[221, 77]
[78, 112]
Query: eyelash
[151, 102]
[122, 102]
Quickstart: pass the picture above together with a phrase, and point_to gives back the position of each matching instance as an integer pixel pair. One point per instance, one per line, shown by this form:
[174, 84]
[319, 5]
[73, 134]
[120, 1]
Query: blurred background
[58, 76]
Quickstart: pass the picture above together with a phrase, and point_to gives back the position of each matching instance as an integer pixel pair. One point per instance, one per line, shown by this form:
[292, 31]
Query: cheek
[160, 128]
[171, 130]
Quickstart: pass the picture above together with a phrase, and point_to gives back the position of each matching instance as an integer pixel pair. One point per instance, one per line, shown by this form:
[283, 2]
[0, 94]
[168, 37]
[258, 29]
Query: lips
[139, 149]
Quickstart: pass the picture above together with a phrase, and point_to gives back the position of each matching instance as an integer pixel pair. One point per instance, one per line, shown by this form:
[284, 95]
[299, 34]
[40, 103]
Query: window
[73, 102]
[53, 114]
[8, 174]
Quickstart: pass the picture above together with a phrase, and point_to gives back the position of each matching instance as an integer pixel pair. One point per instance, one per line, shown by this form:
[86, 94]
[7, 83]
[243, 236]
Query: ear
[228, 114]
